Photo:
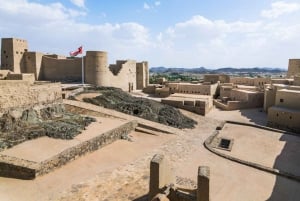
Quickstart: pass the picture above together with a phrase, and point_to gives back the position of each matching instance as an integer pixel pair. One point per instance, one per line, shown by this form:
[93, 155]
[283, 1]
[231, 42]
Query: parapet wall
[23, 169]
[61, 69]
[20, 94]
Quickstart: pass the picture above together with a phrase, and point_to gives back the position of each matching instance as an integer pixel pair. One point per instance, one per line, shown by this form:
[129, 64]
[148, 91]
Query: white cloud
[79, 3]
[198, 41]
[215, 43]
[157, 3]
[280, 8]
[146, 6]
[54, 28]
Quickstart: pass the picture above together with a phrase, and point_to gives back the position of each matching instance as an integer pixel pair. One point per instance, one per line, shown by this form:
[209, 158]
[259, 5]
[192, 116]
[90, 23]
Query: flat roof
[290, 91]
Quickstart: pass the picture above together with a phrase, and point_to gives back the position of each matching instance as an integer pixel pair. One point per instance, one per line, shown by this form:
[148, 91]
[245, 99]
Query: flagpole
[82, 70]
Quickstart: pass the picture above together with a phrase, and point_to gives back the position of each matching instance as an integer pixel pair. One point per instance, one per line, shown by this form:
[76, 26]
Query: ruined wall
[123, 75]
[61, 69]
[294, 67]
[20, 94]
[12, 50]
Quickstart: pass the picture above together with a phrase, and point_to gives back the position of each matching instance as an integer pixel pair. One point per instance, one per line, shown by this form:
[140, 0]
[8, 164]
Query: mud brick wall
[23, 169]
[20, 94]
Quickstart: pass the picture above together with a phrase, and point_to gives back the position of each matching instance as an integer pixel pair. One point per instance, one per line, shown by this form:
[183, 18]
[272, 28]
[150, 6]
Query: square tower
[12, 50]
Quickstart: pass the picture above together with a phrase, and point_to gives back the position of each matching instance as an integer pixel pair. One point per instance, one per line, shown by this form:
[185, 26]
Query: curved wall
[96, 68]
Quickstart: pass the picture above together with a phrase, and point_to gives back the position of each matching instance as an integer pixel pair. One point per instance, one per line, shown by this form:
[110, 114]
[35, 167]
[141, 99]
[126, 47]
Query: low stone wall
[18, 168]
[233, 105]
[20, 94]
[208, 146]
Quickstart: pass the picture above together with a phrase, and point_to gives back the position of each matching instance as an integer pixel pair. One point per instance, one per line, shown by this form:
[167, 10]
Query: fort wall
[61, 69]
[294, 67]
[96, 68]
[32, 63]
[288, 99]
[283, 118]
[20, 94]
[142, 75]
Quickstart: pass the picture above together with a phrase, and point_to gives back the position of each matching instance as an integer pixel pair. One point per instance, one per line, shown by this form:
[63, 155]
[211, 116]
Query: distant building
[285, 114]
[215, 78]
[199, 104]
[294, 68]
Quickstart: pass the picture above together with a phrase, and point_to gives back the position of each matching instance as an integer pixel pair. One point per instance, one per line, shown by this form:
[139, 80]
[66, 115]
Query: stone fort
[125, 74]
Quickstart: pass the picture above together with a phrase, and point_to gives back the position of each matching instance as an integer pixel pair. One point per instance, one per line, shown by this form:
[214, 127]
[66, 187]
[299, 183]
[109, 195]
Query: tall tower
[96, 69]
[294, 67]
[12, 50]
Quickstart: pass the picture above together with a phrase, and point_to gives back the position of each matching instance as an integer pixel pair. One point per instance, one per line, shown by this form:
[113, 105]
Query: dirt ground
[120, 171]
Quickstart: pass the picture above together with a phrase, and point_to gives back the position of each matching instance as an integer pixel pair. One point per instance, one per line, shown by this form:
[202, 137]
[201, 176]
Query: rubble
[116, 99]
[49, 121]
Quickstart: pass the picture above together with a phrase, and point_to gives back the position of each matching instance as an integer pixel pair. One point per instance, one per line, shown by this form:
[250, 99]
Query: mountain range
[202, 70]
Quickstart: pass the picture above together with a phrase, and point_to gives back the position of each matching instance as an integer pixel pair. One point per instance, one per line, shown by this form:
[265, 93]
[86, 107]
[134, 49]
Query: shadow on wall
[257, 115]
[289, 161]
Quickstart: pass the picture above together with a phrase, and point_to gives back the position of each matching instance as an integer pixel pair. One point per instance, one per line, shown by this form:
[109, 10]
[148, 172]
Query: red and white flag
[75, 53]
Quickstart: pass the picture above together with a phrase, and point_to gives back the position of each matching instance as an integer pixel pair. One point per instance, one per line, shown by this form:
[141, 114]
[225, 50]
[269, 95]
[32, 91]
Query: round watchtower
[96, 68]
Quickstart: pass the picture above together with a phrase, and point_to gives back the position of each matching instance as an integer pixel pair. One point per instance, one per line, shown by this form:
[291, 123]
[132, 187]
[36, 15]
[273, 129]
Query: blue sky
[172, 33]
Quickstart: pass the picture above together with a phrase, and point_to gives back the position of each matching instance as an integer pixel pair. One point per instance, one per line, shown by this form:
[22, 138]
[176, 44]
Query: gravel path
[131, 182]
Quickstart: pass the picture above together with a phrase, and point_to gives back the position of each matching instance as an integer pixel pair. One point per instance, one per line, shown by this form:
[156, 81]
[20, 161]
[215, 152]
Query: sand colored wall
[4, 73]
[288, 99]
[203, 89]
[261, 81]
[269, 98]
[96, 68]
[225, 91]
[199, 104]
[61, 69]
[12, 50]
[253, 99]
[15, 93]
[125, 74]
[142, 75]
[21, 76]
[32, 62]
[297, 80]
[294, 67]
[282, 118]
[242, 80]
[125, 78]
[214, 78]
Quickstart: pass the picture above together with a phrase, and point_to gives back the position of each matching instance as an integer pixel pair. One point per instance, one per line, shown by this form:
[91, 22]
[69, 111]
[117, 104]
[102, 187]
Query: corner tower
[294, 67]
[96, 68]
[12, 50]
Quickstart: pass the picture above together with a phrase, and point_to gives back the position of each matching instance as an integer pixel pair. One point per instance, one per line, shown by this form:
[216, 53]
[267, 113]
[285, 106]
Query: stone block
[160, 175]
[203, 183]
